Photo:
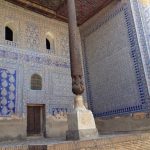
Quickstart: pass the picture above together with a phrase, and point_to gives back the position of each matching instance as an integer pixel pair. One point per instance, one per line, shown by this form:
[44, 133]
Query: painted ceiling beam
[57, 9]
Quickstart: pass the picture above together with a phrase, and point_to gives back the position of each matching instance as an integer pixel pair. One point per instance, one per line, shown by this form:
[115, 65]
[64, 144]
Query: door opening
[36, 120]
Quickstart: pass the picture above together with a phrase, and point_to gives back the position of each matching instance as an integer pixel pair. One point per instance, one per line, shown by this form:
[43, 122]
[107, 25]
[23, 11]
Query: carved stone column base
[81, 124]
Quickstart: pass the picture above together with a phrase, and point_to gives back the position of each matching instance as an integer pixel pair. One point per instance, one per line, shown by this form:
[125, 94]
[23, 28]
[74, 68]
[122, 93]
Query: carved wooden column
[75, 58]
[81, 122]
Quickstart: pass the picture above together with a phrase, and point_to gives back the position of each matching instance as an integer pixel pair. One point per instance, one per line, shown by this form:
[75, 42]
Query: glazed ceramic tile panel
[61, 84]
[115, 75]
[28, 54]
[7, 91]
[141, 11]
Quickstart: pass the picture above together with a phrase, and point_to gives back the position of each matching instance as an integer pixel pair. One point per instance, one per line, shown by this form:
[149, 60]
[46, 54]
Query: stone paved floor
[47, 141]
[134, 141]
[32, 141]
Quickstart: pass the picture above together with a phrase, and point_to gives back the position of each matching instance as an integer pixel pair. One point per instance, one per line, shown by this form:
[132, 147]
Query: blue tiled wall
[126, 91]
[7, 92]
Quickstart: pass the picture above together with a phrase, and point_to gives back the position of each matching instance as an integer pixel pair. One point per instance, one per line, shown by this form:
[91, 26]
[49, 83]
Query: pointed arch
[49, 40]
[48, 44]
[11, 30]
[8, 33]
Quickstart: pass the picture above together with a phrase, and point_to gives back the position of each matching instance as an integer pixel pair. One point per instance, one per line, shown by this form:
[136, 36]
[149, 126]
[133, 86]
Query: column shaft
[75, 58]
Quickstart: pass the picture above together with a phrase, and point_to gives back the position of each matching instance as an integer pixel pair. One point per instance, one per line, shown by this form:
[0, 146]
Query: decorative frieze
[33, 57]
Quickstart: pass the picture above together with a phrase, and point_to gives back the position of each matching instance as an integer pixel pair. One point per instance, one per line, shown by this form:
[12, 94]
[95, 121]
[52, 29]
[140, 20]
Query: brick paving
[140, 141]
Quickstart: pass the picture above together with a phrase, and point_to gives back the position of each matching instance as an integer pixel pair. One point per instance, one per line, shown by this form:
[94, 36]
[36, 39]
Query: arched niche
[10, 31]
[49, 43]
[8, 34]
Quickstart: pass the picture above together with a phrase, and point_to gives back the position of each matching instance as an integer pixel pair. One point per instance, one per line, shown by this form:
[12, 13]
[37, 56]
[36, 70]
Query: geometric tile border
[135, 54]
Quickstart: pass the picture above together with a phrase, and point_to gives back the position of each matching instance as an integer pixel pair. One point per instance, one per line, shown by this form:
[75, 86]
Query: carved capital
[77, 84]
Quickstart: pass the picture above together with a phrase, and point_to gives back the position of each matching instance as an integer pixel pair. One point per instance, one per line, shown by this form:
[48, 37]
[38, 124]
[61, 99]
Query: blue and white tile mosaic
[28, 55]
[131, 76]
[141, 15]
[34, 57]
[7, 92]
[61, 109]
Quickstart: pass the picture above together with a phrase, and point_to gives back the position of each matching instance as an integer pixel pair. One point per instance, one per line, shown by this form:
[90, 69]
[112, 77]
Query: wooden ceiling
[58, 8]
